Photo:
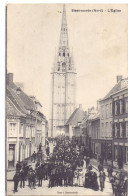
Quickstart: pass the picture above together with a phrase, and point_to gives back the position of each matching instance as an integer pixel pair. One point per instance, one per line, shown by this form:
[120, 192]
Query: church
[63, 92]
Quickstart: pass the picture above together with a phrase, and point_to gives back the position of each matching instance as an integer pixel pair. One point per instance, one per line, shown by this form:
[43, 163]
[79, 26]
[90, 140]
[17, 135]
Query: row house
[120, 122]
[73, 125]
[113, 122]
[95, 141]
[24, 123]
[87, 131]
[106, 119]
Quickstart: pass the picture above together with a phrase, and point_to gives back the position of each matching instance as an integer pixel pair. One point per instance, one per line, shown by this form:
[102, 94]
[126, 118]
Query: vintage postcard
[67, 99]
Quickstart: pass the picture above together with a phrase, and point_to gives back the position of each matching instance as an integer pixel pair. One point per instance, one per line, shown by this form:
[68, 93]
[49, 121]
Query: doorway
[11, 158]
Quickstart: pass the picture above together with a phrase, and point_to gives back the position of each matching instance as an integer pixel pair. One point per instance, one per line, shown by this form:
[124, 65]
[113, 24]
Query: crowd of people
[68, 165]
[119, 183]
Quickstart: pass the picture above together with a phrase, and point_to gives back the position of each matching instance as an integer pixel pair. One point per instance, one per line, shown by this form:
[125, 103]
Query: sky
[99, 41]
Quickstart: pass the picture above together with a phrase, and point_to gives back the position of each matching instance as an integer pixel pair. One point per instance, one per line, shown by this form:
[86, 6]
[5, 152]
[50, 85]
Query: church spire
[64, 32]
[63, 57]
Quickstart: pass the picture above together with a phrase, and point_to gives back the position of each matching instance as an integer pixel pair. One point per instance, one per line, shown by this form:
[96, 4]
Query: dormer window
[18, 91]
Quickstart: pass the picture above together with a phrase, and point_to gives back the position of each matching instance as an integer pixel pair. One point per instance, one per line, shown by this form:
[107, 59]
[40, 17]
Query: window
[102, 131]
[127, 105]
[107, 111]
[115, 129]
[63, 66]
[121, 130]
[127, 154]
[12, 129]
[121, 106]
[102, 112]
[118, 129]
[126, 129]
[110, 109]
[21, 130]
[110, 129]
[27, 131]
[115, 108]
[32, 131]
[118, 106]
[106, 129]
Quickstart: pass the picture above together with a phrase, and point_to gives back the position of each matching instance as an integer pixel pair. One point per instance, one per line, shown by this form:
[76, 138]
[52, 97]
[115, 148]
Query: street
[44, 190]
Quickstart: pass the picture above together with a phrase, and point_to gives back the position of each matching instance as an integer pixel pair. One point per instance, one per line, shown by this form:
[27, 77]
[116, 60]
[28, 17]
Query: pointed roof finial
[64, 10]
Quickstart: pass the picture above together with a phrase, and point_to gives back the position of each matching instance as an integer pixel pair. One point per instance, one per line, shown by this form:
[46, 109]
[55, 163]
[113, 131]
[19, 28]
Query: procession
[66, 115]
[68, 165]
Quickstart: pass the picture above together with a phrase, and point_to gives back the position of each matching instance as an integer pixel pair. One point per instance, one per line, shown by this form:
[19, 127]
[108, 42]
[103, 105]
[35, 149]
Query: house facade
[23, 124]
[120, 122]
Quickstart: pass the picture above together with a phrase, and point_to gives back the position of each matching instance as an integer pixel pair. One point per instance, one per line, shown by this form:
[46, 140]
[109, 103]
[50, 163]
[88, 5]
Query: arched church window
[64, 54]
[63, 66]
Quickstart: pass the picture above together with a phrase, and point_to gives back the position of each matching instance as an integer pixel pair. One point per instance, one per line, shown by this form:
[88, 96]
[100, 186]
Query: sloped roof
[77, 116]
[91, 115]
[11, 94]
[28, 102]
[12, 109]
[18, 104]
[116, 88]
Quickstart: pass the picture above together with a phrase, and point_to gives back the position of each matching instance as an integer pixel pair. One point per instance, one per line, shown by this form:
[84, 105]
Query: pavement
[44, 190]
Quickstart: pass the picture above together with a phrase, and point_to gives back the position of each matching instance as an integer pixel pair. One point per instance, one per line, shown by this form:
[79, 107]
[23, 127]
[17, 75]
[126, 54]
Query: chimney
[9, 78]
[98, 104]
[80, 106]
[119, 78]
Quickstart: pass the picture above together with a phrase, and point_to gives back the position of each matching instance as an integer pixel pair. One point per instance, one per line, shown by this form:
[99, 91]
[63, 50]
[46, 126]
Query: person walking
[16, 180]
[22, 178]
[102, 179]
[34, 156]
[100, 167]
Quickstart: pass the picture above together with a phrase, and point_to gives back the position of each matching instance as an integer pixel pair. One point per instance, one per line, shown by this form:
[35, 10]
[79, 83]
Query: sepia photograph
[66, 99]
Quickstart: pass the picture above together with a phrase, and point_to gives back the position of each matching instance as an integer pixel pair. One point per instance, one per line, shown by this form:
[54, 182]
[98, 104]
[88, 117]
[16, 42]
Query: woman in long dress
[76, 178]
[80, 177]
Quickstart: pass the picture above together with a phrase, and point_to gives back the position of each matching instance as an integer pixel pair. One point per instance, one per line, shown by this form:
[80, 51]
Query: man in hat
[16, 180]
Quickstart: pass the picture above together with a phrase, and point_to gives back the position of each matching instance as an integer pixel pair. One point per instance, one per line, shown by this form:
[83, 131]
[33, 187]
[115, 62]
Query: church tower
[63, 96]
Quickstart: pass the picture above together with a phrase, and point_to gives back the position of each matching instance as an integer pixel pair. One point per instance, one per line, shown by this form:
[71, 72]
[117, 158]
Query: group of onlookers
[67, 166]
